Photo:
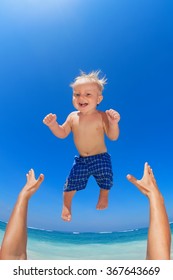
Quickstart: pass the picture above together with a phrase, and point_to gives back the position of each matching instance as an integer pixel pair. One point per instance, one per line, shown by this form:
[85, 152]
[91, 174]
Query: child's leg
[104, 178]
[67, 201]
[103, 199]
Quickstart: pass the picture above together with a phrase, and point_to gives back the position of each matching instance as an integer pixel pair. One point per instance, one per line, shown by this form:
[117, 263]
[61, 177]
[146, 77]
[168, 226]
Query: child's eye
[76, 94]
[88, 94]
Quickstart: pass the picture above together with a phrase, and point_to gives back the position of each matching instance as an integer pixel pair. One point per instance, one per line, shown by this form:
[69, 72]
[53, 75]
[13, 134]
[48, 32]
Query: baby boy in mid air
[88, 126]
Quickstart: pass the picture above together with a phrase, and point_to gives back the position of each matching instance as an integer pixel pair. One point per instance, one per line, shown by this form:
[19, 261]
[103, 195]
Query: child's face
[86, 97]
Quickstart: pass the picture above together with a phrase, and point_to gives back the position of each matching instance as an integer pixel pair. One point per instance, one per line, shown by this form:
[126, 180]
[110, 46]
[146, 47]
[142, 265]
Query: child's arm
[15, 238]
[60, 131]
[111, 124]
[159, 237]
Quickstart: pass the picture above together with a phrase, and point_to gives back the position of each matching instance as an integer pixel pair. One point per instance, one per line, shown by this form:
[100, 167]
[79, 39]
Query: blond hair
[92, 77]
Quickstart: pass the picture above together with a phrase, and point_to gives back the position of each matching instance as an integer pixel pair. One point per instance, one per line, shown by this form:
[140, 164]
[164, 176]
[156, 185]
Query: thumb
[41, 178]
[131, 179]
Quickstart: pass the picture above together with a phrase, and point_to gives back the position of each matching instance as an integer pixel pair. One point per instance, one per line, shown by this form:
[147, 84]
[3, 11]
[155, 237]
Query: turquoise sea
[54, 245]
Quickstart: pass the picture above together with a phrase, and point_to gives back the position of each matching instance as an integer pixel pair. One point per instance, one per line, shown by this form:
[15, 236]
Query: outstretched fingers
[32, 184]
[31, 180]
[152, 176]
[30, 175]
[147, 184]
[146, 169]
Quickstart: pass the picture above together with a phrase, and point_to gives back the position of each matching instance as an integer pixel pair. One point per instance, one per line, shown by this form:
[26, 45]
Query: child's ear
[100, 98]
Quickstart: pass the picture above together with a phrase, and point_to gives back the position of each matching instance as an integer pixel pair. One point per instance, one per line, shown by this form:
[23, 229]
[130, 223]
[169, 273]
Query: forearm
[159, 237]
[113, 131]
[58, 130]
[15, 238]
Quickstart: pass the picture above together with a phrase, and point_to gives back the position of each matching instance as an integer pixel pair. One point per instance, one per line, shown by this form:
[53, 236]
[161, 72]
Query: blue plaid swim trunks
[99, 166]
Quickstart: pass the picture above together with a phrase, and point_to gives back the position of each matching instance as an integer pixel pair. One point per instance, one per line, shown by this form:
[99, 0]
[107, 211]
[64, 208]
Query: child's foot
[66, 210]
[103, 200]
[66, 214]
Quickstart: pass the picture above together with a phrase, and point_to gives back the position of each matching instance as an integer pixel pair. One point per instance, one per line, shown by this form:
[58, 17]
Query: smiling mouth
[83, 104]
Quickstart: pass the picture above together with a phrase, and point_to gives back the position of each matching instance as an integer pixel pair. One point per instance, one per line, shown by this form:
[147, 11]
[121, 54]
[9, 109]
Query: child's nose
[82, 97]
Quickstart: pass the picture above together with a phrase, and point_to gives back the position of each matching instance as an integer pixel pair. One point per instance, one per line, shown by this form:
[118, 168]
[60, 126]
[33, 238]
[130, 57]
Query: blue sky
[43, 46]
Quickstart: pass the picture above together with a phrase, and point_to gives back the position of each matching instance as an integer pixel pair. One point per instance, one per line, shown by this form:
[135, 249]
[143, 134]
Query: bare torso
[88, 132]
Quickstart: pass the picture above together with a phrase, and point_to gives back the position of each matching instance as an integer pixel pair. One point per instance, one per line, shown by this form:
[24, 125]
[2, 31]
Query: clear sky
[43, 46]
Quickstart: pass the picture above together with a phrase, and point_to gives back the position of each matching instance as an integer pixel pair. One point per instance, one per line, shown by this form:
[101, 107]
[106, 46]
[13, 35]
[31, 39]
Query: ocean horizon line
[83, 232]
[86, 232]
